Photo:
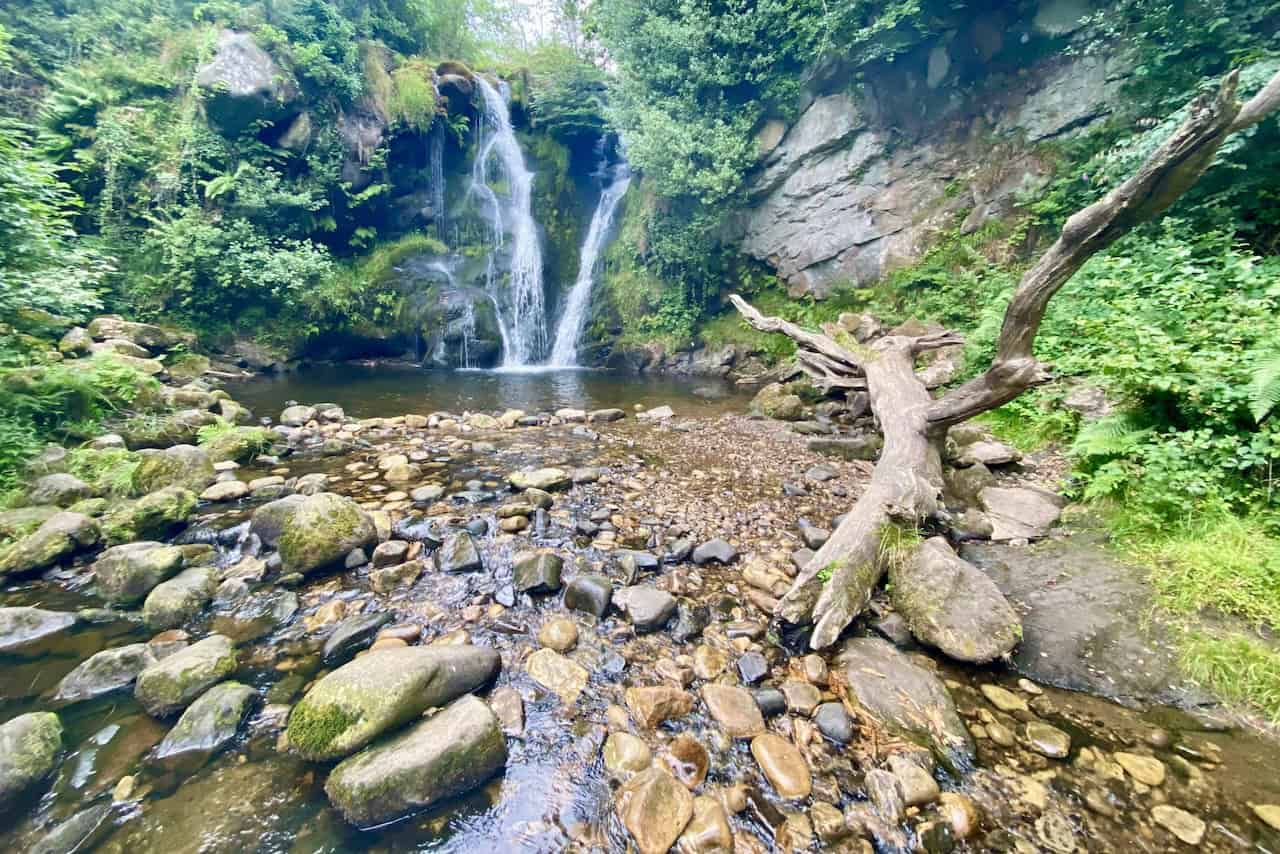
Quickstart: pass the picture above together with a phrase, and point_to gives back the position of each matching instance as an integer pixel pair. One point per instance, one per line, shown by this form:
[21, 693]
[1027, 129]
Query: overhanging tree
[837, 583]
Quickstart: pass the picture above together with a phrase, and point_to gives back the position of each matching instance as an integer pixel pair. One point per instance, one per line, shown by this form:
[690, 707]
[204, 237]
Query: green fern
[1115, 436]
[1264, 388]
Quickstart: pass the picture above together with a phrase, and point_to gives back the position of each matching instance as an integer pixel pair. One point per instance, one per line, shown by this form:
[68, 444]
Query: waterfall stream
[524, 318]
[564, 353]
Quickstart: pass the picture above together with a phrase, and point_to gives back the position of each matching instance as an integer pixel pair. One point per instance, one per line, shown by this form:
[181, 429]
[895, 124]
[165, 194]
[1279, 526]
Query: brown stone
[651, 705]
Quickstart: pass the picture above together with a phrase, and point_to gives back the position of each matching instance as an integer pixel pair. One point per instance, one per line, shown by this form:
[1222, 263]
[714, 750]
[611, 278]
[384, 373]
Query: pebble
[688, 761]
[708, 662]
[651, 705]
[752, 667]
[560, 634]
[916, 785]
[1145, 769]
[783, 765]
[1048, 740]
[733, 709]
[625, 754]
[834, 722]
[1004, 699]
[771, 701]
[802, 698]
[1179, 822]
[960, 812]
[884, 791]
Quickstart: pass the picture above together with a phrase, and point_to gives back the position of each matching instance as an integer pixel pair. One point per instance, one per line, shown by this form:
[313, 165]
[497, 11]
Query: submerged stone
[590, 594]
[459, 554]
[655, 809]
[208, 725]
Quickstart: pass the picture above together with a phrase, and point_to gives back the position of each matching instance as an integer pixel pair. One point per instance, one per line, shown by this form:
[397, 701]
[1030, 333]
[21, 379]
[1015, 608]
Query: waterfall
[438, 212]
[565, 352]
[525, 320]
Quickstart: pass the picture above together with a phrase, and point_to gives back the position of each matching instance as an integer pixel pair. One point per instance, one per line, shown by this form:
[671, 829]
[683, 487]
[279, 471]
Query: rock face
[127, 573]
[29, 747]
[105, 672]
[857, 186]
[445, 755]
[381, 690]
[951, 604]
[172, 683]
[243, 84]
[22, 626]
[313, 531]
[905, 698]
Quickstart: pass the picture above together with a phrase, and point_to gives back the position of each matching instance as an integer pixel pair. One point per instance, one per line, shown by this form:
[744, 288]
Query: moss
[109, 471]
[312, 730]
[413, 95]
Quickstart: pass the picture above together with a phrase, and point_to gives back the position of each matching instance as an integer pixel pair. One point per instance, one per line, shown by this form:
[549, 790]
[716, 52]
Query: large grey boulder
[313, 531]
[21, 626]
[154, 338]
[60, 489]
[127, 573]
[177, 600]
[950, 604]
[59, 536]
[105, 672]
[173, 682]
[1020, 512]
[186, 466]
[448, 754]
[242, 84]
[29, 747]
[905, 698]
[381, 690]
[208, 725]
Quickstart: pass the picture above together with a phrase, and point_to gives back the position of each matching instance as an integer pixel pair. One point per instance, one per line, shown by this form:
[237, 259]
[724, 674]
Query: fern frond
[1114, 436]
[1264, 388]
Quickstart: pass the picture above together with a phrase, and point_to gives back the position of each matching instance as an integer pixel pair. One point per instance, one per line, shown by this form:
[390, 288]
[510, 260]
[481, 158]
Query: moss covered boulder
[314, 531]
[208, 725]
[60, 489]
[29, 748]
[127, 573]
[775, 401]
[173, 682]
[105, 672]
[446, 755]
[240, 444]
[177, 600]
[58, 537]
[382, 690]
[17, 523]
[182, 465]
[156, 515]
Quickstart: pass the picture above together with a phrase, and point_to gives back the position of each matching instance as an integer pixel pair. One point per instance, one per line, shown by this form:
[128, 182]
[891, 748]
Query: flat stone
[390, 553]
[391, 578]
[655, 809]
[717, 550]
[1003, 699]
[1144, 769]
[172, 603]
[21, 626]
[1048, 740]
[1182, 824]
[561, 676]
[624, 754]
[226, 490]
[708, 662]
[1019, 513]
[651, 705]
[886, 793]
[648, 608]
[783, 765]
[104, 672]
[733, 709]
[547, 479]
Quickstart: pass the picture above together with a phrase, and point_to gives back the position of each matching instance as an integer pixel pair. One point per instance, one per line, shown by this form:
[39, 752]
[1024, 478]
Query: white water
[437, 177]
[524, 321]
[564, 354]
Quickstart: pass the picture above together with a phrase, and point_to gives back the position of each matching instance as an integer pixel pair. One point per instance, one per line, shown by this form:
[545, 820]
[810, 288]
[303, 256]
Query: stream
[708, 472]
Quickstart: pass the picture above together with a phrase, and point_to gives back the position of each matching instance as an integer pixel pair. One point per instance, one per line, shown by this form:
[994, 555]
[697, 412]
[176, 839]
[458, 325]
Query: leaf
[1264, 388]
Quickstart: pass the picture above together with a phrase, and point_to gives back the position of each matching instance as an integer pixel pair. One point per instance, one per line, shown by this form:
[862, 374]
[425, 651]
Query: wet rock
[171, 603]
[624, 754]
[648, 608]
[151, 517]
[458, 554]
[61, 490]
[1019, 513]
[834, 722]
[21, 626]
[651, 705]
[314, 531]
[829, 823]
[691, 619]
[562, 676]
[916, 784]
[509, 707]
[884, 791]
[353, 635]
[173, 682]
[1268, 814]
[381, 690]
[688, 760]
[716, 550]
[29, 748]
[81, 832]
[1144, 769]
[752, 667]
[1048, 740]
[390, 578]
[709, 662]
[960, 812]
[773, 401]
[58, 537]
[1003, 699]
[734, 709]
[257, 615]
[560, 634]
[783, 765]
[297, 415]
[127, 573]
[104, 672]
[538, 573]
[390, 553]
[708, 831]
[446, 755]
[427, 494]
[185, 466]
[546, 479]
[207, 726]
[654, 809]
[905, 698]
[418, 528]
[950, 604]
[227, 490]
[802, 698]
[1182, 824]
[771, 701]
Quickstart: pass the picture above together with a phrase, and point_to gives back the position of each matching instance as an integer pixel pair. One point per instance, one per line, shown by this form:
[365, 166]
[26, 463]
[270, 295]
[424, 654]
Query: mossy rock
[128, 573]
[775, 401]
[321, 530]
[240, 444]
[29, 748]
[174, 682]
[60, 536]
[182, 465]
[150, 517]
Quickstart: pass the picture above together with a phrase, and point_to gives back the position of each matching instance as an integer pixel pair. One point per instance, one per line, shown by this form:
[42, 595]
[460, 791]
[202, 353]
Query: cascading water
[525, 333]
[438, 211]
[564, 353]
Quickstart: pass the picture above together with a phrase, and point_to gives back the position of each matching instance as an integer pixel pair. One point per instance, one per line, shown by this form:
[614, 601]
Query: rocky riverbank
[548, 631]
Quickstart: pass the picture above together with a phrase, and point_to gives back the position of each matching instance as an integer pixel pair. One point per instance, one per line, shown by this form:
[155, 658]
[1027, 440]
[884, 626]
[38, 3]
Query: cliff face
[866, 175]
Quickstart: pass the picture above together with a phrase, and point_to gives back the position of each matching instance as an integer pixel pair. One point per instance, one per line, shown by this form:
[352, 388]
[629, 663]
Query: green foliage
[567, 95]
[1236, 667]
[413, 97]
[109, 471]
[1264, 387]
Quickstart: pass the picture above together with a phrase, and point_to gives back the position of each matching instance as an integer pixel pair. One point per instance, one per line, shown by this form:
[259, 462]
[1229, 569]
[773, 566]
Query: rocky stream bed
[547, 631]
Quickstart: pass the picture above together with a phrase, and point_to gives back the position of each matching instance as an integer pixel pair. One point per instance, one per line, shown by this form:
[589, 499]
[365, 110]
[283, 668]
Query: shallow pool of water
[385, 390]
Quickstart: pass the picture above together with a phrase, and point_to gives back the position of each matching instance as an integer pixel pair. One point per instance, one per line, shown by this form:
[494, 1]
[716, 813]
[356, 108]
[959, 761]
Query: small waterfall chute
[564, 352]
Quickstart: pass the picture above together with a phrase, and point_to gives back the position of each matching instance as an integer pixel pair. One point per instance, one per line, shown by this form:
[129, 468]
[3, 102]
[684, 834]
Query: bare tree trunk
[904, 490]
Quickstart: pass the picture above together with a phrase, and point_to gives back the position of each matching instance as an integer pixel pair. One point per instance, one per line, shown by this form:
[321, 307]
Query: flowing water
[512, 215]
[438, 210]
[564, 353]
